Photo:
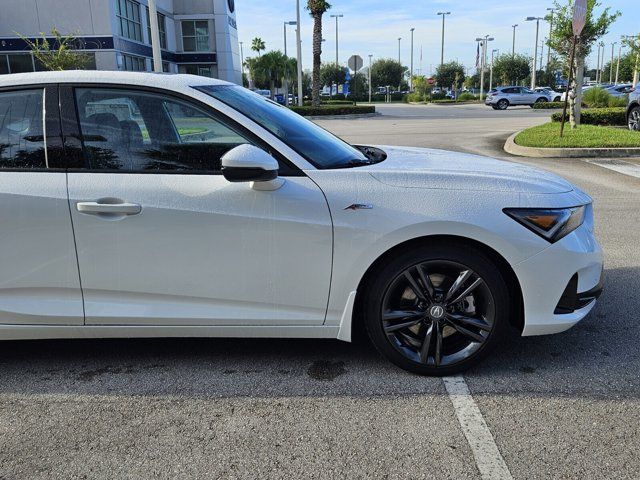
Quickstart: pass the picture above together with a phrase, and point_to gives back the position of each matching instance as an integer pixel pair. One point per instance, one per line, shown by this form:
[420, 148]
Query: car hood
[439, 169]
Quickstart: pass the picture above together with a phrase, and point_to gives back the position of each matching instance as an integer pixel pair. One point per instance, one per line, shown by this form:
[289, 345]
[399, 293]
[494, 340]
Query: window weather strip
[44, 126]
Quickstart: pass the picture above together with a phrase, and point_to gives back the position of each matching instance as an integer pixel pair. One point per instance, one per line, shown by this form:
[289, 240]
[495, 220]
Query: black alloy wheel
[634, 119]
[438, 312]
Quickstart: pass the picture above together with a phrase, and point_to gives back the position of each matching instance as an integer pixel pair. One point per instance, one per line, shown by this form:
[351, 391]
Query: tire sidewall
[463, 254]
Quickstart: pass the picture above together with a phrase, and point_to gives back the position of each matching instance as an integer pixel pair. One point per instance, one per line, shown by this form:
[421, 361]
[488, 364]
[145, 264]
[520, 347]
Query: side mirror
[246, 163]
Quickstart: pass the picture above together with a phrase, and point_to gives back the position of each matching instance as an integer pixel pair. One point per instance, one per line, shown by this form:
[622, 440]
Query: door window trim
[52, 130]
[79, 162]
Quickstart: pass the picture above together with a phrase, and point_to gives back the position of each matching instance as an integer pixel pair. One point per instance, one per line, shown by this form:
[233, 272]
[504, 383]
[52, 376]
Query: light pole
[399, 48]
[370, 86]
[286, 73]
[551, 12]
[242, 57]
[444, 15]
[155, 37]
[411, 70]
[491, 74]
[619, 55]
[613, 56]
[485, 42]
[299, 54]
[535, 55]
[513, 49]
[337, 17]
[598, 64]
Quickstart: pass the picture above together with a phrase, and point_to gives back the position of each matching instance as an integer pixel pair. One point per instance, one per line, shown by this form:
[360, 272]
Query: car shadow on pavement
[597, 358]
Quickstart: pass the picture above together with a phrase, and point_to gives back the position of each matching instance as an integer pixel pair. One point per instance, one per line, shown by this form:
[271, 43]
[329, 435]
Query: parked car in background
[502, 98]
[550, 93]
[204, 210]
[633, 112]
[619, 91]
[264, 93]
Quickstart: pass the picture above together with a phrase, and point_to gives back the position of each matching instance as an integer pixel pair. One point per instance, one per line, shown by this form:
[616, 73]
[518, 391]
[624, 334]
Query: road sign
[579, 17]
[432, 81]
[356, 63]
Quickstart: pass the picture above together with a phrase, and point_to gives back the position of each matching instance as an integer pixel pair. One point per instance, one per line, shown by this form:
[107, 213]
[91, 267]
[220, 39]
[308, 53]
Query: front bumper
[561, 284]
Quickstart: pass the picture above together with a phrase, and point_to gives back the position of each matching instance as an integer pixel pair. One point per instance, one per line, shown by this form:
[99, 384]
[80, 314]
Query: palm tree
[317, 8]
[258, 45]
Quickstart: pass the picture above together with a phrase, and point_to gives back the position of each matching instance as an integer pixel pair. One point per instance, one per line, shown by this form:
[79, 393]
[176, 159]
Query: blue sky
[373, 27]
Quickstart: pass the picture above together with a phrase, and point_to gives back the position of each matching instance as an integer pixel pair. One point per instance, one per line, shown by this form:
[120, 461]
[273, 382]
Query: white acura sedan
[146, 205]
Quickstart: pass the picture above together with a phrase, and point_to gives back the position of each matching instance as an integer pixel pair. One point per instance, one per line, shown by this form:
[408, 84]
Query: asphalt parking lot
[565, 406]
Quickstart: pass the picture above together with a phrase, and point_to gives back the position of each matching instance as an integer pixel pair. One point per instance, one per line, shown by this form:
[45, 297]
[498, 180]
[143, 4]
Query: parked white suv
[151, 205]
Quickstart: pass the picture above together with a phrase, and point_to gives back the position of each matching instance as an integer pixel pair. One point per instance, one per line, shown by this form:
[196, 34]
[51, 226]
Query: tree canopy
[387, 72]
[511, 69]
[450, 74]
[332, 74]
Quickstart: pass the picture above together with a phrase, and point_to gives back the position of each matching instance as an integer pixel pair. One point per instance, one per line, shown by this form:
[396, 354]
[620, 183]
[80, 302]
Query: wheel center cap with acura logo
[436, 312]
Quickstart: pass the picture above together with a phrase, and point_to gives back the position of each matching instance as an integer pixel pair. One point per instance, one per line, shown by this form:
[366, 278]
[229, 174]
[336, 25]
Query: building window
[18, 63]
[161, 28]
[133, 64]
[202, 70]
[195, 36]
[128, 13]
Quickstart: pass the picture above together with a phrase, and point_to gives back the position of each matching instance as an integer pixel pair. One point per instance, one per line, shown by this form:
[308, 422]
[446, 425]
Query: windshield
[315, 144]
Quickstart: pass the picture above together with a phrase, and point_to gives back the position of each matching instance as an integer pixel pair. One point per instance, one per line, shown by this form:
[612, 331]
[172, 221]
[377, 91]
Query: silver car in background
[502, 98]
[550, 93]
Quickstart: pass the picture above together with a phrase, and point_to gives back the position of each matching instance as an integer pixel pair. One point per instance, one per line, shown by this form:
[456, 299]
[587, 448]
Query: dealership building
[196, 36]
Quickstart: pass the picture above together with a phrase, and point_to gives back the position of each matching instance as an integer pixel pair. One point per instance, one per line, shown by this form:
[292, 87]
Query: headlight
[551, 224]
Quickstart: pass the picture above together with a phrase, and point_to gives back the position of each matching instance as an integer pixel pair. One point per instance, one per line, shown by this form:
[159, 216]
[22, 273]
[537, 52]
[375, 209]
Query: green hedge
[337, 102]
[608, 117]
[334, 110]
[548, 105]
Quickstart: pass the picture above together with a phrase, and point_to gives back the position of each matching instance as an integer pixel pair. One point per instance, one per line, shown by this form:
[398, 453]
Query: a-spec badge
[360, 206]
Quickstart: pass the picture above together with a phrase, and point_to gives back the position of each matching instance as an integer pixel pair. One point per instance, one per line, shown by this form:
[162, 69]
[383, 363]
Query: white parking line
[620, 166]
[485, 451]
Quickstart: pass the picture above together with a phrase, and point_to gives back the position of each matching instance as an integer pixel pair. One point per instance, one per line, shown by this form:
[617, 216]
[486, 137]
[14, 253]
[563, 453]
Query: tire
[494, 107]
[634, 119]
[540, 100]
[503, 104]
[557, 99]
[463, 313]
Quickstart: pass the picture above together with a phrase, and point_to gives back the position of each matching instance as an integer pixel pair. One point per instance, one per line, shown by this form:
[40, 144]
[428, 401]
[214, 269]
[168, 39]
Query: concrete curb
[344, 117]
[520, 151]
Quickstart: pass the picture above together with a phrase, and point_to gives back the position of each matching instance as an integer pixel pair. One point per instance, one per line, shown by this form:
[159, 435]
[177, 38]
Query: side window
[134, 131]
[22, 142]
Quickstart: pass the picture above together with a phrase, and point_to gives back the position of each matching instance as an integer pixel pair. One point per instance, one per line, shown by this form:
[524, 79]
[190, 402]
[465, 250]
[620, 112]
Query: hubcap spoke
[400, 326]
[438, 354]
[467, 333]
[426, 281]
[415, 287]
[463, 277]
[467, 291]
[474, 322]
[426, 345]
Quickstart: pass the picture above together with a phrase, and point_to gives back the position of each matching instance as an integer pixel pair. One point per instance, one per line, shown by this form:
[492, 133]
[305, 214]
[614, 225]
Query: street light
[491, 74]
[535, 55]
[513, 50]
[242, 58]
[444, 15]
[299, 44]
[411, 72]
[619, 55]
[551, 12]
[370, 92]
[337, 17]
[613, 55]
[485, 42]
[399, 43]
[286, 74]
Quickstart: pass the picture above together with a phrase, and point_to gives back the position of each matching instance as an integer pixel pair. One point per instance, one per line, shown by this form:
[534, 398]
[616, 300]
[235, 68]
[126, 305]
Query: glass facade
[195, 36]
[129, 24]
[132, 63]
[161, 27]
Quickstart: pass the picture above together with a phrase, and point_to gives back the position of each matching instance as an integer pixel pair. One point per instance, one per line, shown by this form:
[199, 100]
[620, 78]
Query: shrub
[611, 117]
[415, 97]
[467, 97]
[337, 102]
[548, 105]
[438, 96]
[618, 102]
[334, 110]
[596, 98]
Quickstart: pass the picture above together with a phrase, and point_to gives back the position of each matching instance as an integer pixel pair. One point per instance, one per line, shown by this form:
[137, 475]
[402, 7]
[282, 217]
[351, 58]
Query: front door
[164, 239]
[39, 283]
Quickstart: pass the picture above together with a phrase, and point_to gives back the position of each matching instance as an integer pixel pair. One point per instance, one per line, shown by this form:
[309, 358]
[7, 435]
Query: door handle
[96, 208]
